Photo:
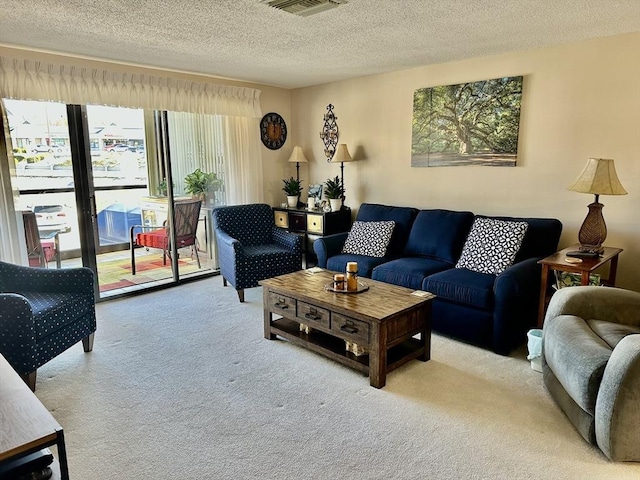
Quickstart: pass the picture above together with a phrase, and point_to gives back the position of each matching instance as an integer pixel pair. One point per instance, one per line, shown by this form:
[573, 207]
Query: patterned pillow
[492, 245]
[369, 238]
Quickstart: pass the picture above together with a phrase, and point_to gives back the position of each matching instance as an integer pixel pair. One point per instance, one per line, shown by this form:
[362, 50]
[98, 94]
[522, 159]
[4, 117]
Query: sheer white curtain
[224, 145]
[9, 235]
[243, 170]
[195, 141]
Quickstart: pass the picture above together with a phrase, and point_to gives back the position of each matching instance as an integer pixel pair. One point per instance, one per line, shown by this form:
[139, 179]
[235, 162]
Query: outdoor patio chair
[251, 248]
[187, 214]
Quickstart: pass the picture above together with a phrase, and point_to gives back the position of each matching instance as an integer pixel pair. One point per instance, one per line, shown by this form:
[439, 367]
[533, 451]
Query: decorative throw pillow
[492, 245]
[369, 238]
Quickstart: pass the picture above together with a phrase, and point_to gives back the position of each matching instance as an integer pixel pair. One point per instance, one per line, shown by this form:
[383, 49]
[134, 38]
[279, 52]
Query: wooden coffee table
[389, 323]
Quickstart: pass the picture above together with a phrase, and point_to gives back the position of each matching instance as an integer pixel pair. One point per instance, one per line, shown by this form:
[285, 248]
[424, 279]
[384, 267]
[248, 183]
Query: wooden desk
[26, 425]
[558, 262]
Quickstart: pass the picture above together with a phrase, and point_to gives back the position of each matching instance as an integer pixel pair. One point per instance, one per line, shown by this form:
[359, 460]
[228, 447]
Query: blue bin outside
[115, 221]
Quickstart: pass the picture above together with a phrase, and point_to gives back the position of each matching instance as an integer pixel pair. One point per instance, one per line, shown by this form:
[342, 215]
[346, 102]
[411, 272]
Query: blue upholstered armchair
[42, 313]
[251, 248]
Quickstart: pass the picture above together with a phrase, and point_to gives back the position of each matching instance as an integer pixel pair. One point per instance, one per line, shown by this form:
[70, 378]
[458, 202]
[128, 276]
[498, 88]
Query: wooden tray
[362, 287]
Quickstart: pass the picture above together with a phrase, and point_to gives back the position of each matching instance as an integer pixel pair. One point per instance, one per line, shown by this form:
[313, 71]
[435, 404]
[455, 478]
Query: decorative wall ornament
[329, 133]
[467, 124]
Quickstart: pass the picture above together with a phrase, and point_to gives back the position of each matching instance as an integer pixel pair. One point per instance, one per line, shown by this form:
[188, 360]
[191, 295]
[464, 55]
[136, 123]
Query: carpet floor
[181, 384]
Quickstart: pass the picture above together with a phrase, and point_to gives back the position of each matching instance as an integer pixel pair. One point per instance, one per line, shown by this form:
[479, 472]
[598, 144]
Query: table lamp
[342, 155]
[599, 178]
[297, 156]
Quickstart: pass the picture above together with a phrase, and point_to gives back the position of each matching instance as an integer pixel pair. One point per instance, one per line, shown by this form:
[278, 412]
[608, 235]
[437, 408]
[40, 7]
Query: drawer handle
[349, 328]
[281, 304]
[313, 316]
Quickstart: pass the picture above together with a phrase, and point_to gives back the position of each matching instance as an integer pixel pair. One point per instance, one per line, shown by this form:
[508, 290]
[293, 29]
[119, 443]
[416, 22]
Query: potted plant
[334, 191]
[199, 183]
[162, 187]
[293, 188]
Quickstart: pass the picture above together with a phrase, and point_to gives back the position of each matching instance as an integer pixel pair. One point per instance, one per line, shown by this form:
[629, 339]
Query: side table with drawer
[312, 224]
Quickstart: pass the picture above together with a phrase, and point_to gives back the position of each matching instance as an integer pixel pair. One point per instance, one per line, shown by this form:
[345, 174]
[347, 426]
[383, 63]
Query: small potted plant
[199, 183]
[334, 191]
[293, 188]
[162, 187]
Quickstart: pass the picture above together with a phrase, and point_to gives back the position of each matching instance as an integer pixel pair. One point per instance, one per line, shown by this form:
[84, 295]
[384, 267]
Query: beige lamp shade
[599, 178]
[297, 155]
[342, 154]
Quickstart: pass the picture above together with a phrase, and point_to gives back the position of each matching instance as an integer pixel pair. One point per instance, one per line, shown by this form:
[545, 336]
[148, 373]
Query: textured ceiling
[247, 40]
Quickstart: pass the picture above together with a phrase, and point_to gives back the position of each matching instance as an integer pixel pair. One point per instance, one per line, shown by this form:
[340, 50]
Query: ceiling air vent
[304, 8]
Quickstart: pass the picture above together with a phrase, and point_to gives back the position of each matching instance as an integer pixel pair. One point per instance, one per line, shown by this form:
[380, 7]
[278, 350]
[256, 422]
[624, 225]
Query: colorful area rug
[116, 274]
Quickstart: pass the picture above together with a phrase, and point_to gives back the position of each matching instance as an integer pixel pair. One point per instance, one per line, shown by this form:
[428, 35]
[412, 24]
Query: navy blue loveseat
[492, 311]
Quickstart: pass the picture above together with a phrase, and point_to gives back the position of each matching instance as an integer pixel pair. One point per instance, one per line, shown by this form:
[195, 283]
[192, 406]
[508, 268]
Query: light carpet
[181, 384]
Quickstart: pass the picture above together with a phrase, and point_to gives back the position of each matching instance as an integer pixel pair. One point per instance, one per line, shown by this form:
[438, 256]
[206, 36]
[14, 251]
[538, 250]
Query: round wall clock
[273, 131]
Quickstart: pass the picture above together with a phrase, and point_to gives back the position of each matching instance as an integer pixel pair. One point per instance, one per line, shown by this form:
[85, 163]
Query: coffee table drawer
[282, 305]
[312, 315]
[350, 329]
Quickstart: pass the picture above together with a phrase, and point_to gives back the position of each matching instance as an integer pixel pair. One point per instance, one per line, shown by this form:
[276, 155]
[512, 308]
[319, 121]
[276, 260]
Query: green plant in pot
[199, 183]
[334, 191]
[293, 188]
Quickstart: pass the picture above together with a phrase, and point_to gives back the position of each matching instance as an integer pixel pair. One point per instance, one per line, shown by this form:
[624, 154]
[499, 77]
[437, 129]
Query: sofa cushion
[369, 238]
[338, 263]
[462, 286]
[611, 332]
[54, 311]
[577, 357]
[492, 245]
[439, 234]
[408, 271]
[402, 216]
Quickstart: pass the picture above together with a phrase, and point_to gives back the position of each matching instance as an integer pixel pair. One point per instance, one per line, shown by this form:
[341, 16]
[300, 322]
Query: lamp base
[593, 230]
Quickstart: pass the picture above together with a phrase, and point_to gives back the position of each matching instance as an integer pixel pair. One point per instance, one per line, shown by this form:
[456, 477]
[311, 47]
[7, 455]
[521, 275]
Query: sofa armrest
[33, 279]
[617, 413]
[329, 246]
[516, 294]
[604, 303]
[17, 332]
[288, 240]
[225, 240]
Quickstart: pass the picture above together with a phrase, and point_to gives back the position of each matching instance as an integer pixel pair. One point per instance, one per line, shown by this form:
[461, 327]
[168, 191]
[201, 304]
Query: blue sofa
[492, 311]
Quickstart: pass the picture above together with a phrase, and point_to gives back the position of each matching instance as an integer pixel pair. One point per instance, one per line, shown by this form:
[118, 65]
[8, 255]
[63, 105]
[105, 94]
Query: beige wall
[580, 100]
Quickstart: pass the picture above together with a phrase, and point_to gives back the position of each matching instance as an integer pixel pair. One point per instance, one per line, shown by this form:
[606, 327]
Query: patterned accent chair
[43, 313]
[251, 248]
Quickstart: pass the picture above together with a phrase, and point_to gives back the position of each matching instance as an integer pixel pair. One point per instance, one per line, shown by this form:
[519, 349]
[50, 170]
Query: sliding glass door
[98, 177]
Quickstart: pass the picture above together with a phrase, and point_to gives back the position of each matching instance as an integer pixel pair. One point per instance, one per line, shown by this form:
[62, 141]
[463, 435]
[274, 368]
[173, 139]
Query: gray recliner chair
[591, 365]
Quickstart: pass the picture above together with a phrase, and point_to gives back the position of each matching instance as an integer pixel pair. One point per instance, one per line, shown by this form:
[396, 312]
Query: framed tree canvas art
[467, 124]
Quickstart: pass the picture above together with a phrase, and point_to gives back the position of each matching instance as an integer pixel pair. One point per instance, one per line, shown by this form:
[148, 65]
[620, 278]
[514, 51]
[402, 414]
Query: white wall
[580, 100]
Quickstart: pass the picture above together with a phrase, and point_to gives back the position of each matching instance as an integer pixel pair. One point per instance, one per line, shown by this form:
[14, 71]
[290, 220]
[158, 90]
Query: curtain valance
[25, 79]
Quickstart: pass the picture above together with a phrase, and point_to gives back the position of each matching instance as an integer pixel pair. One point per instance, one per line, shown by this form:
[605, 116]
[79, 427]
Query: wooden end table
[558, 262]
[26, 425]
[388, 322]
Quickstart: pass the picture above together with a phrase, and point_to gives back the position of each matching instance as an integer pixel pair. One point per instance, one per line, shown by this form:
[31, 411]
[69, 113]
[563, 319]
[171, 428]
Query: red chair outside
[186, 218]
